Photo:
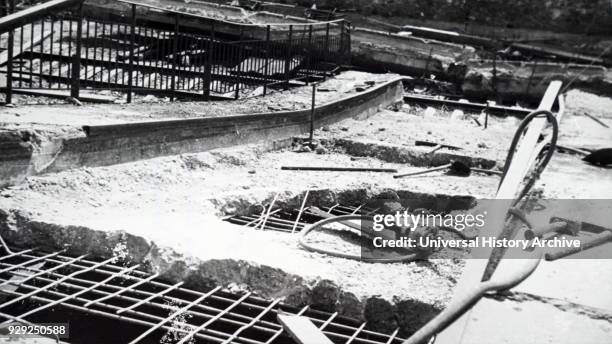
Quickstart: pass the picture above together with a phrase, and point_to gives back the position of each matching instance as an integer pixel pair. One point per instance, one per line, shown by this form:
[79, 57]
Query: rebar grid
[294, 220]
[106, 289]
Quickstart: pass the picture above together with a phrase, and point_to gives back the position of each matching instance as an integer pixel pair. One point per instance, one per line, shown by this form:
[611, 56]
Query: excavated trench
[207, 252]
[382, 314]
[167, 215]
[202, 220]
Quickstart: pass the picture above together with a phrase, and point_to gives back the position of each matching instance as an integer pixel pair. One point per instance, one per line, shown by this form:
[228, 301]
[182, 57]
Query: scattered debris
[455, 168]
[320, 149]
[429, 112]
[457, 115]
[74, 101]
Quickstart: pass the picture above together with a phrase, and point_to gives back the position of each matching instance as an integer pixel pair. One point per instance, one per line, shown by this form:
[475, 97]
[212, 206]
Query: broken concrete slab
[401, 54]
[509, 80]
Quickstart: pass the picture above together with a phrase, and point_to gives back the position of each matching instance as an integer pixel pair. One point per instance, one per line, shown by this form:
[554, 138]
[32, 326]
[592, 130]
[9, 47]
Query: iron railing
[133, 53]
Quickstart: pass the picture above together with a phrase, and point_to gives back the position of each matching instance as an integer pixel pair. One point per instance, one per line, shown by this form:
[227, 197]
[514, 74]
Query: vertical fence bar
[310, 51]
[267, 62]
[348, 43]
[341, 46]
[21, 56]
[9, 58]
[70, 49]
[174, 55]
[159, 78]
[51, 58]
[239, 69]
[106, 67]
[95, 51]
[201, 65]
[326, 42]
[312, 113]
[40, 62]
[221, 86]
[209, 60]
[180, 81]
[122, 36]
[288, 57]
[177, 78]
[163, 61]
[76, 65]
[149, 38]
[31, 55]
[61, 39]
[131, 56]
[114, 50]
[89, 43]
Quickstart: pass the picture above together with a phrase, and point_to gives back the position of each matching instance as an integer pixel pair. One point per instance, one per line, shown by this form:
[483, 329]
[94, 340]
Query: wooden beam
[63, 94]
[470, 106]
[451, 36]
[567, 55]
[302, 330]
[27, 45]
[474, 269]
[17, 19]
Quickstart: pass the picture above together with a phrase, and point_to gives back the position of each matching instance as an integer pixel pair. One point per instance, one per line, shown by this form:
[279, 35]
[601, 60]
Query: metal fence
[132, 53]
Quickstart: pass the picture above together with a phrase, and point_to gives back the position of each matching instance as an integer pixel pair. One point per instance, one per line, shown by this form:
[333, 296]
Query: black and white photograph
[306, 171]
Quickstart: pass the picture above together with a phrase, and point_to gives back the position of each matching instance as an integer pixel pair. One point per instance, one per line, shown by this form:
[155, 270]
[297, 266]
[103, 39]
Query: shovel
[455, 168]
[600, 157]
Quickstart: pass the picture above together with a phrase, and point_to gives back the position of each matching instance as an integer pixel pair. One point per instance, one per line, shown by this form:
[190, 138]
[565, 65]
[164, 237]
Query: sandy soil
[162, 190]
[172, 201]
[156, 199]
[177, 201]
[439, 126]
